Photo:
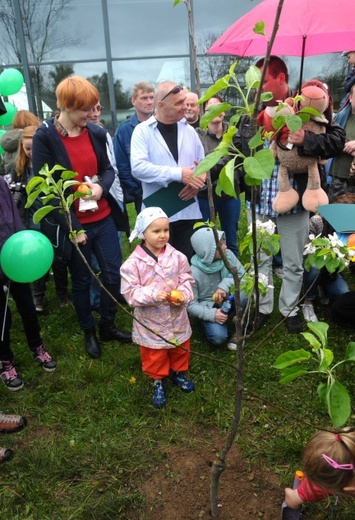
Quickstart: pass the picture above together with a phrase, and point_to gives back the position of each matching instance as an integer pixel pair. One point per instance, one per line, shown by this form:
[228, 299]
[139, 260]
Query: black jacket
[48, 148]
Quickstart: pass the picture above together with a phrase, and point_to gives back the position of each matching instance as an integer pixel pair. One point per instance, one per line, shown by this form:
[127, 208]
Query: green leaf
[260, 166]
[209, 161]
[259, 28]
[311, 111]
[252, 77]
[327, 359]
[41, 213]
[49, 197]
[220, 84]
[68, 174]
[322, 392]
[226, 179]
[312, 340]
[291, 357]
[319, 328]
[291, 373]
[293, 122]
[339, 407]
[32, 197]
[212, 112]
[232, 67]
[203, 224]
[176, 2]
[350, 352]
[256, 141]
[266, 96]
[32, 183]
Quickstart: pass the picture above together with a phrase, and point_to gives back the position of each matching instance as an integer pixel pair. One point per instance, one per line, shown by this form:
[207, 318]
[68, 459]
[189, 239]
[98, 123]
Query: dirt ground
[179, 489]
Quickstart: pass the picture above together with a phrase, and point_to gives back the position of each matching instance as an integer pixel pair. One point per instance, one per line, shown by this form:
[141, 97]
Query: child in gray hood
[212, 277]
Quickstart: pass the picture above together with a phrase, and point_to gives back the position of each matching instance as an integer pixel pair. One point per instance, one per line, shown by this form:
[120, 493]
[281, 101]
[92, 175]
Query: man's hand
[297, 137]
[349, 148]
[188, 192]
[188, 177]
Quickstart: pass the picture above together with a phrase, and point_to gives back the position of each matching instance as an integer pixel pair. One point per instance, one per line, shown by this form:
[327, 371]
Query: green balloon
[26, 256]
[11, 81]
[2, 132]
[7, 118]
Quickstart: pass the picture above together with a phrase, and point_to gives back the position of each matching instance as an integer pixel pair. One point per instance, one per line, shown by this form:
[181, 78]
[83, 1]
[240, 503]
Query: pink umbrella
[306, 28]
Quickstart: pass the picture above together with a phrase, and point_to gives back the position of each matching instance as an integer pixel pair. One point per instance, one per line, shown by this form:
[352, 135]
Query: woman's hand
[80, 239]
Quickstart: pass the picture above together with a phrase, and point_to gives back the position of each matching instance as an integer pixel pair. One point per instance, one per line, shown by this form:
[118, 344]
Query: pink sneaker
[44, 359]
[9, 375]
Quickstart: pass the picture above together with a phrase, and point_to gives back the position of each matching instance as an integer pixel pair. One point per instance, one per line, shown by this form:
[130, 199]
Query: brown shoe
[5, 455]
[11, 423]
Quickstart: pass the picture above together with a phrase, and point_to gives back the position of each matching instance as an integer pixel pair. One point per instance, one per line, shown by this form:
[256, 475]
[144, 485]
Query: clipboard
[168, 199]
[340, 216]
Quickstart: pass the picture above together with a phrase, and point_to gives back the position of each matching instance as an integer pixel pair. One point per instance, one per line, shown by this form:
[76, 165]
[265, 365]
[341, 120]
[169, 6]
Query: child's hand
[220, 317]
[162, 296]
[219, 296]
[292, 498]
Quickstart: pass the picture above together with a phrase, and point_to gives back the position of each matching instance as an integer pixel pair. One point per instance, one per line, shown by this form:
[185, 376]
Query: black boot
[109, 332]
[92, 346]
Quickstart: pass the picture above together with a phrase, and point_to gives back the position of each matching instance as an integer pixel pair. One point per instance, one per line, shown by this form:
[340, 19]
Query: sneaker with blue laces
[180, 379]
[158, 399]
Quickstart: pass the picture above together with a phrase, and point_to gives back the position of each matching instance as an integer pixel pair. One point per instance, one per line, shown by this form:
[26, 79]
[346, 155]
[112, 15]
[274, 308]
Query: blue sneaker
[158, 399]
[180, 379]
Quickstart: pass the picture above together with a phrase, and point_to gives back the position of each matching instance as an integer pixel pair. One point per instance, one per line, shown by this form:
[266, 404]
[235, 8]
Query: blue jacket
[132, 187]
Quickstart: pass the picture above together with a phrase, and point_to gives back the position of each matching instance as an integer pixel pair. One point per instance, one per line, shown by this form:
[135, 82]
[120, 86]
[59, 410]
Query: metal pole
[191, 60]
[111, 89]
[23, 51]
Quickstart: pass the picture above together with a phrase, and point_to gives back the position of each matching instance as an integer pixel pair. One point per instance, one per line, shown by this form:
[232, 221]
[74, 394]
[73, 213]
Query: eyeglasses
[174, 90]
[98, 108]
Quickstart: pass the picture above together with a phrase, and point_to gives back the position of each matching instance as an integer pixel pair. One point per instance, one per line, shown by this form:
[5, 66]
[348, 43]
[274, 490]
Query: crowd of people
[176, 271]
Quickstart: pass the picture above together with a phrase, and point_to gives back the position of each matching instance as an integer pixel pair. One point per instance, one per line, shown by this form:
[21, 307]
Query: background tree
[42, 37]
[122, 97]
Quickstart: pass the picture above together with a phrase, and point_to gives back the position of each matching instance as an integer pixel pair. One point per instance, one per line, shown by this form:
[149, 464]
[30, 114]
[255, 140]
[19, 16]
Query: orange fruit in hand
[176, 296]
[351, 240]
[83, 188]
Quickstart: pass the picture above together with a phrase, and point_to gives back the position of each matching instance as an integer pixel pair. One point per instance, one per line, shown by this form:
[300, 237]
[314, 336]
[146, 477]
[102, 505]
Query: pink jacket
[141, 278]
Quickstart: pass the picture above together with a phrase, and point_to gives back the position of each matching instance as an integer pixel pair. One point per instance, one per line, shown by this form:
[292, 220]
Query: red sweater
[84, 161]
[310, 492]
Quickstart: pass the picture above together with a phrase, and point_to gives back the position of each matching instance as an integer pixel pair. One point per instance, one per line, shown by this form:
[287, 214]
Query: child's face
[157, 234]
[223, 245]
[27, 147]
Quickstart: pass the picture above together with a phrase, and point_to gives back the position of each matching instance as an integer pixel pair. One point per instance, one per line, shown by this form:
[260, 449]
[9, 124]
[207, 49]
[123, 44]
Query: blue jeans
[333, 285]
[103, 242]
[216, 333]
[228, 211]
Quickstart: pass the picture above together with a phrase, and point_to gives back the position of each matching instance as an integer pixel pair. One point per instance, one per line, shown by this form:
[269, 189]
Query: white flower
[309, 249]
[269, 227]
[263, 279]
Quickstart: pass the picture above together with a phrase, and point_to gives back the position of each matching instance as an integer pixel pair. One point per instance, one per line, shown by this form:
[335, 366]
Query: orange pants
[157, 363]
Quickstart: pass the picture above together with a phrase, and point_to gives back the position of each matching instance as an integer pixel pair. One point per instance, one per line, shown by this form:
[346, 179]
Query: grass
[93, 435]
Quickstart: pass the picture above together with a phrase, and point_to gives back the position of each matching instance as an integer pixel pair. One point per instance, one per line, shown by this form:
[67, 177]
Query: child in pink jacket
[148, 276]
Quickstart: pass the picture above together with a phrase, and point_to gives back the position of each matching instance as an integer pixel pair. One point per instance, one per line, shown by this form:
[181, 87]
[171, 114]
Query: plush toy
[315, 95]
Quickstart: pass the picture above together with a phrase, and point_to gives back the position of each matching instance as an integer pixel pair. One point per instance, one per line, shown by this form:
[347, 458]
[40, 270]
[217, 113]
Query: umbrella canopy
[306, 28]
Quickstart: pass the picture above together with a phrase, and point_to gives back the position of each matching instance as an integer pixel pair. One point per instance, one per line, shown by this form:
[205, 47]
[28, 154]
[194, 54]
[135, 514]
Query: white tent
[19, 100]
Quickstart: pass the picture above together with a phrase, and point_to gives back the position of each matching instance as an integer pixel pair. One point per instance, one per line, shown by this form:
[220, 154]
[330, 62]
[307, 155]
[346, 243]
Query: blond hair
[340, 448]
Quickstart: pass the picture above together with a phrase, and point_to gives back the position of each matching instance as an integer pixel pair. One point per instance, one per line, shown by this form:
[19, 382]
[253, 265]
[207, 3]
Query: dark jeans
[103, 242]
[60, 275]
[22, 296]
[228, 211]
[180, 235]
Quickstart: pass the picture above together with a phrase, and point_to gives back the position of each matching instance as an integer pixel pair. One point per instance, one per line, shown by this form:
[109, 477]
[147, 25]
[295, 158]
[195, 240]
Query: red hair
[76, 93]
